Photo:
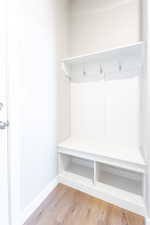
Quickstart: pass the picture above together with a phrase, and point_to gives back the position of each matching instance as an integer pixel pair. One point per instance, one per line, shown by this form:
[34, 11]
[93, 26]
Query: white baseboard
[108, 196]
[30, 209]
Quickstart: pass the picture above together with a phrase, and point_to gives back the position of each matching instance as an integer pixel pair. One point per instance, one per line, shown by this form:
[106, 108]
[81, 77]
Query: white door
[3, 164]
[4, 219]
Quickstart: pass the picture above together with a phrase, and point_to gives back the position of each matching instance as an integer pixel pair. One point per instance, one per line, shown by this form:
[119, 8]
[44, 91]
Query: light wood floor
[66, 206]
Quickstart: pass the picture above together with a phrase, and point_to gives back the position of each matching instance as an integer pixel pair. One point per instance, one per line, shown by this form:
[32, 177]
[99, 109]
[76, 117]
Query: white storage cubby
[119, 186]
[119, 178]
[100, 95]
[77, 168]
[97, 173]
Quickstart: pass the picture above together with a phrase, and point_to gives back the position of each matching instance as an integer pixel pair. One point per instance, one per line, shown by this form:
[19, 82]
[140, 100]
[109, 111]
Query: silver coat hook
[84, 71]
[101, 69]
[120, 67]
[1, 105]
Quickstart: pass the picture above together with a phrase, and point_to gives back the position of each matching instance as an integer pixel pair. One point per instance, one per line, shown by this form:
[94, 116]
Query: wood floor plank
[66, 206]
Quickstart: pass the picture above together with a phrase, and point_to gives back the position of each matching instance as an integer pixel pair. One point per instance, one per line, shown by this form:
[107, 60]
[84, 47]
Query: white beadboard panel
[87, 110]
[107, 113]
[122, 113]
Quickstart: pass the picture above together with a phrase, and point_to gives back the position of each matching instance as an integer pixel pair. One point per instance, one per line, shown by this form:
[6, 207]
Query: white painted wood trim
[147, 221]
[75, 68]
[137, 207]
[146, 105]
[78, 59]
[140, 168]
[32, 207]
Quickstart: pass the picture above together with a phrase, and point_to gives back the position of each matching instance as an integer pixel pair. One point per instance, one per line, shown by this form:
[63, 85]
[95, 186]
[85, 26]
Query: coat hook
[101, 70]
[84, 72]
[120, 67]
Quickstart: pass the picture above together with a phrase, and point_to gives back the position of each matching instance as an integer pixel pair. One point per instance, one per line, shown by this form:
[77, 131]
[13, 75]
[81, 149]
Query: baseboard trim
[33, 206]
[108, 197]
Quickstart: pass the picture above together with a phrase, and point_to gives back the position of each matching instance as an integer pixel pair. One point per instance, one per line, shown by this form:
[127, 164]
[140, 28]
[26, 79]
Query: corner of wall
[34, 205]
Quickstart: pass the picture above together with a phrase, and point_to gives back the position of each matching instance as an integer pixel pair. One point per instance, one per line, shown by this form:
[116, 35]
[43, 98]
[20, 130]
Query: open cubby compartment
[119, 178]
[82, 170]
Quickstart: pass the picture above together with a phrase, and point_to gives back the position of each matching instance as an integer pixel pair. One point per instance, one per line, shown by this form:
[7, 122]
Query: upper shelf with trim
[116, 63]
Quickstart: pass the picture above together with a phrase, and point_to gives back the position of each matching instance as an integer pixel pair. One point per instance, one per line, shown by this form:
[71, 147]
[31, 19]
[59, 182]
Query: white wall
[63, 86]
[32, 99]
[4, 207]
[104, 24]
[107, 112]
[38, 150]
